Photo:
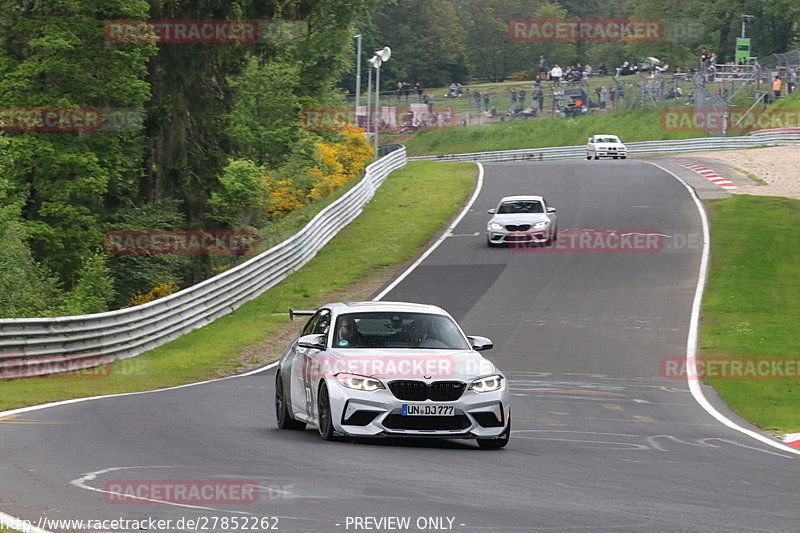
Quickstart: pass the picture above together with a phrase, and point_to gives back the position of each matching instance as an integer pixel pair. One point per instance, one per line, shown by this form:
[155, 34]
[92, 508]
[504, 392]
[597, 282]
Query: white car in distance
[605, 146]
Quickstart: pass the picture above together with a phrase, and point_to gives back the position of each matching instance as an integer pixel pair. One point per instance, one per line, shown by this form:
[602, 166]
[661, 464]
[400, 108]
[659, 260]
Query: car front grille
[518, 227]
[419, 391]
[423, 423]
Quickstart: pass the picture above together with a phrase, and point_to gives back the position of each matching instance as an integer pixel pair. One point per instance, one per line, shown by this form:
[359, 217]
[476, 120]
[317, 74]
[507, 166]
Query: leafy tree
[133, 273]
[428, 43]
[94, 289]
[53, 55]
[264, 121]
[26, 287]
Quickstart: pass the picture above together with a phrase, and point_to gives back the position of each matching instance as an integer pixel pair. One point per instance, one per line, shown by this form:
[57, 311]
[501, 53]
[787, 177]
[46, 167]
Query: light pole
[369, 97]
[377, 60]
[745, 19]
[358, 75]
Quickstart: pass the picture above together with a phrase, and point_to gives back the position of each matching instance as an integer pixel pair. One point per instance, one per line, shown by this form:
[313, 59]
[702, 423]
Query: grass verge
[413, 204]
[638, 125]
[751, 307]
[752, 177]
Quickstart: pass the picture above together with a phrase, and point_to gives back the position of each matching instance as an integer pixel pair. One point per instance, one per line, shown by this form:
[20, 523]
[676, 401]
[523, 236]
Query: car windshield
[398, 330]
[607, 140]
[520, 206]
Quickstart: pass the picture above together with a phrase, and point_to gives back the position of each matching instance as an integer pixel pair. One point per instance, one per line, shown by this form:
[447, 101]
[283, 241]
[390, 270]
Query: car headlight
[354, 381]
[540, 225]
[487, 384]
[495, 226]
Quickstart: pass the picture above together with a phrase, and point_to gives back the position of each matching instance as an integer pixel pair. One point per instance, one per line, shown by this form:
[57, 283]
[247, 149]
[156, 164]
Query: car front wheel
[325, 418]
[284, 419]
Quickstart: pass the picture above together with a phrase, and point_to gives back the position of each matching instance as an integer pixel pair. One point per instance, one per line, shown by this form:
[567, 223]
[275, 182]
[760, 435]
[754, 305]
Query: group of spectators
[569, 74]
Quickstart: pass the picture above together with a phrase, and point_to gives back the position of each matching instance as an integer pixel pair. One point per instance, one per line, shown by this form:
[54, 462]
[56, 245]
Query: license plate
[411, 409]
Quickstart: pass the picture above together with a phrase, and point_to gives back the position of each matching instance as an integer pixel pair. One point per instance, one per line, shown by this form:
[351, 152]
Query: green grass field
[413, 204]
[751, 307]
[641, 125]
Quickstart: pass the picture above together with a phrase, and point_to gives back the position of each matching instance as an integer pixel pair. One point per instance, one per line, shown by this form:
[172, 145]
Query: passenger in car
[348, 335]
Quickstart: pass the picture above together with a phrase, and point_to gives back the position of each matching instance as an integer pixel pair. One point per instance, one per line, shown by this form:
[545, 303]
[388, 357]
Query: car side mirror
[491, 211]
[480, 343]
[316, 342]
[551, 209]
[589, 141]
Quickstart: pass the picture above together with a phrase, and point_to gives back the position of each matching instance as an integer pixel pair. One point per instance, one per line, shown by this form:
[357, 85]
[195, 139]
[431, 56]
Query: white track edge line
[694, 328]
[439, 241]
[9, 520]
[21, 410]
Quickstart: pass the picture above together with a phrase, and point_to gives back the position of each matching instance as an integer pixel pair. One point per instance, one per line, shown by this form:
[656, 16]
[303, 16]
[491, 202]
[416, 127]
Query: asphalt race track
[600, 441]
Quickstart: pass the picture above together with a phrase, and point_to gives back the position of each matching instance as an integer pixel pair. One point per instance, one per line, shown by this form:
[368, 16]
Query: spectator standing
[521, 98]
[603, 95]
[792, 85]
[420, 91]
[476, 95]
[399, 90]
[537, 96]
[556, 73]
[486, 100]
[558, 97]
[776, 87]
[513, 100]
[542, 68]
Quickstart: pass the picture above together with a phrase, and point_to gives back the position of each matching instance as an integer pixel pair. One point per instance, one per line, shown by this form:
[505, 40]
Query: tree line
[437, 42]
[218, 144]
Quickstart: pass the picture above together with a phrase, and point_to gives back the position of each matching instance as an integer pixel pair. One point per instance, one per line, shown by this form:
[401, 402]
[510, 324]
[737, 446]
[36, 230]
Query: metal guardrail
[40, 346]
[757, 138]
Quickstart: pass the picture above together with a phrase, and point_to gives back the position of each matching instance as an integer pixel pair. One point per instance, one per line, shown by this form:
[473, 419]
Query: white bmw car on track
[605, 146]
[519, 220]
[363, 369]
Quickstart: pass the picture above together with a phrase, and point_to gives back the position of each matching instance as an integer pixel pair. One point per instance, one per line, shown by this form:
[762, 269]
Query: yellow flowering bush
[340, 162]
[158, 290]
[284, 197]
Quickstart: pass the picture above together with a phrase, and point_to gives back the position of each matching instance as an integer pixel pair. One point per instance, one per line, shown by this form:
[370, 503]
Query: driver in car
[421, 333]
[347, 335]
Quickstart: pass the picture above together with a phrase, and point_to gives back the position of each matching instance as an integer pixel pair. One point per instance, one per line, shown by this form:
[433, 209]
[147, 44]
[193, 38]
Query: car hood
[389, 364]
[520, 218]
